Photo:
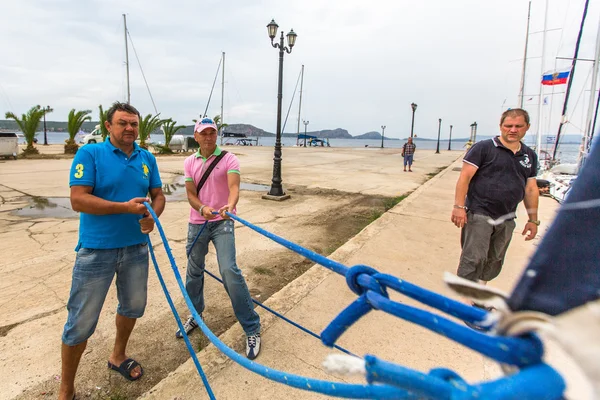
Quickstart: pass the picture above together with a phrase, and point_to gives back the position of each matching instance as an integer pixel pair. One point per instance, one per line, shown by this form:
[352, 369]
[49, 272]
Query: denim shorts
[92, 276]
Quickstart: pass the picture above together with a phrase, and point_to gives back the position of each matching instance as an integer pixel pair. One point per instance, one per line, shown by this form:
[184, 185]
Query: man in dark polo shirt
[497, 174]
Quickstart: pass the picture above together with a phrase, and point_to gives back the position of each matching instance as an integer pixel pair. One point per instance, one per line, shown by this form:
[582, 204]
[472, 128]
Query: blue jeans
[93, 273]
[221, 233]
[408, 159]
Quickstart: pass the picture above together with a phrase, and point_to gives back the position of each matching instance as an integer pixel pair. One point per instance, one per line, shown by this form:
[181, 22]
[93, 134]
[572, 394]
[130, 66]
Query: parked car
[94, 137]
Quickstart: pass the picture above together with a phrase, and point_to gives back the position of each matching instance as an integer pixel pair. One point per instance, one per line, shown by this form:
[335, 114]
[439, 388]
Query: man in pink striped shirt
[220, 193]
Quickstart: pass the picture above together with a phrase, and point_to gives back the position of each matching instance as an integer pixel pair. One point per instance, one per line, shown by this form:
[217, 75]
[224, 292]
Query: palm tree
[103, 115]
[148, 124]
[220, 126]
[170, 129]
[74, 123]
[28, 123]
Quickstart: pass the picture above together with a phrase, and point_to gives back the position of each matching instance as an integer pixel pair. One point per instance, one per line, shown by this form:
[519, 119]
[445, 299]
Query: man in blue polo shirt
[109, 183]
[497, 174]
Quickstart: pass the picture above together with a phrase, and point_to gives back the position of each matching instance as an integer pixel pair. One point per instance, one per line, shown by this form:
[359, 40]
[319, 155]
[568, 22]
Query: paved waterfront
[415, 241]
[37, 254]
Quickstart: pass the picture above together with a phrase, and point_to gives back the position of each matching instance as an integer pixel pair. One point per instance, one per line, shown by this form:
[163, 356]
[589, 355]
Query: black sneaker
[252, 346]
[188, 325]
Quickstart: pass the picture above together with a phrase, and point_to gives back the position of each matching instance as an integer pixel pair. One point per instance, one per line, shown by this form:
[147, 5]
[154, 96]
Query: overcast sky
[365, 61]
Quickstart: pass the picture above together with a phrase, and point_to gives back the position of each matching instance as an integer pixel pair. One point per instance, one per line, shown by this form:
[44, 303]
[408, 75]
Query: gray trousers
[483, 247]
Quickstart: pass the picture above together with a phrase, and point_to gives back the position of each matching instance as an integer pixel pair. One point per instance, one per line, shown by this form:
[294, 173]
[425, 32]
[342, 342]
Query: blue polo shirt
[116, 177]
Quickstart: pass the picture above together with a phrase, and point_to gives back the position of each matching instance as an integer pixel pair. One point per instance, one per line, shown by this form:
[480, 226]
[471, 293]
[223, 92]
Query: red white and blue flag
[555, 77]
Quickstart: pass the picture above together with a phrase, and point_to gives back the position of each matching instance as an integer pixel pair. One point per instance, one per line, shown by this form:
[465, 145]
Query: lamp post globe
[276, 192]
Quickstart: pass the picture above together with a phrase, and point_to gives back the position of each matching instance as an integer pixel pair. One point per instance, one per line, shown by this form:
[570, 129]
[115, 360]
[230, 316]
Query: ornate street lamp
[46, 109]
[276, 192]
[450, 138]
[305, 125]
[437, 151]
[412, 125]
[382, 134]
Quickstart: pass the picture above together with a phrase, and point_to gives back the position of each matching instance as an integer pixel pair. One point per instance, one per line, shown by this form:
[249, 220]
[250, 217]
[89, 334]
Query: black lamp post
[382, 134]
[276, 191]
[412, 125]
[46, 109]
[305, 125]
[450, 138]
[473, 132]
[437, 151]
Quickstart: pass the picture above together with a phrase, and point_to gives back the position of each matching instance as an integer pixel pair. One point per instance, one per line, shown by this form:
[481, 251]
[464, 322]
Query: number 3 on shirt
[79, 173]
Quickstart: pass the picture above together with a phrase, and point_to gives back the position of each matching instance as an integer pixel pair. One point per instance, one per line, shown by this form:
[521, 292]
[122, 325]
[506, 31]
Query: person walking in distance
[109, 183]
[208, 191]
[497, 174]
[408, 152]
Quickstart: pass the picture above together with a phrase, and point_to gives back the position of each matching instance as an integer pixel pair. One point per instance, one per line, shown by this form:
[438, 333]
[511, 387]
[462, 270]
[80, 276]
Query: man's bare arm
[459, 215]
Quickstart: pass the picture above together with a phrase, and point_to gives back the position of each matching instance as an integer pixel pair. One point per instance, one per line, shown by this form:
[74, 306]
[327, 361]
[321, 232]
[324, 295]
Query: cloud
[365, 62]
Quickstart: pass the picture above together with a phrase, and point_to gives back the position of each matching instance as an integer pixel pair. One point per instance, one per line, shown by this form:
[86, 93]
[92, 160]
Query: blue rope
[176, 315]
[364, 280]
[352, 391]
[383, 377]
[258, 303]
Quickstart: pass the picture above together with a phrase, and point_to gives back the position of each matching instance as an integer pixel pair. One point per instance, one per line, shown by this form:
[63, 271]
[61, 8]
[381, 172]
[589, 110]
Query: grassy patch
[434, 173]
[374, 215]
[390, 203]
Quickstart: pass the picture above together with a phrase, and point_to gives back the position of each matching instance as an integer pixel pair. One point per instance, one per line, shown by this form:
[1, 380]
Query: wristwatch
[537, 222]
[200, 209]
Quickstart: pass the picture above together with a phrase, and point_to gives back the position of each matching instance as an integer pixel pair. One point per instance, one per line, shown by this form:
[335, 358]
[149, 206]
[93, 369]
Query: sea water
[567, 153]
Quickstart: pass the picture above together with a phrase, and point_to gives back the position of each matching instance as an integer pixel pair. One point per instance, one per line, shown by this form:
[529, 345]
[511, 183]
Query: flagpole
[538, 142]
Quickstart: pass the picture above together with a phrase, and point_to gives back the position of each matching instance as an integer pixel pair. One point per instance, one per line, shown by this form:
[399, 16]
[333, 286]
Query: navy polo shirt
[116, 177]
[498, 186]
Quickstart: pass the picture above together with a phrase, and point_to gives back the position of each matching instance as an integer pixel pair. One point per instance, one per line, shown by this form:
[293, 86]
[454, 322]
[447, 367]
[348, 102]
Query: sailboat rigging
[570, 81]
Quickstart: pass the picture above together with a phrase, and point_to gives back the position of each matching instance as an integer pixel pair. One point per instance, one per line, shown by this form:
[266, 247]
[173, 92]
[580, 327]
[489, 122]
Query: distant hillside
[373, 135]
[247, 129]
[369, 135]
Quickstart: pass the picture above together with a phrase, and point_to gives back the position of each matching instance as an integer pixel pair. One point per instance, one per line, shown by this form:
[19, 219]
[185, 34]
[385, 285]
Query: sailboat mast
[126, 58]
[222, 95]
[300, 102]
[522, 90]
[570, 81]
[538, 147]
[590, 115]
